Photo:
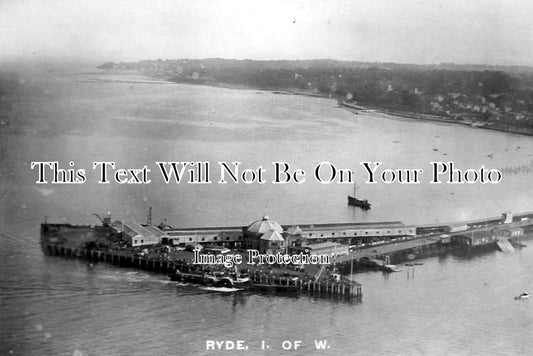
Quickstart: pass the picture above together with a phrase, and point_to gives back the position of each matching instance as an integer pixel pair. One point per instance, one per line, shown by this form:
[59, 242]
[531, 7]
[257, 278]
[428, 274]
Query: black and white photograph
[253, 177]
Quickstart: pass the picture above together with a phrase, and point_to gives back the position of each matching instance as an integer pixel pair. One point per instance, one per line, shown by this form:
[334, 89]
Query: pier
[261, 281]
[376, 245]
[483, 232]
[386, 249]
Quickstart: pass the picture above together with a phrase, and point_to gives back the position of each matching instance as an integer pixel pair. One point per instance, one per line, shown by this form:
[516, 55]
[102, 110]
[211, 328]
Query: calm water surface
[460, 305]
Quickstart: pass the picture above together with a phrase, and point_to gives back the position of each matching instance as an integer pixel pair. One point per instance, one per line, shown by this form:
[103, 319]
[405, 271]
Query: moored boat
[241, 281]
[189, 277]
[392, 268]
[352, 200]
[524, 295]
[210, 279]
[363, 204]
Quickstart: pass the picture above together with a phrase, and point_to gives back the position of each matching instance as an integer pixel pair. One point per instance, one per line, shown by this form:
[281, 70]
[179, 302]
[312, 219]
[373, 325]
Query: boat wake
[221, 289]
[135, 277]
[180, 284]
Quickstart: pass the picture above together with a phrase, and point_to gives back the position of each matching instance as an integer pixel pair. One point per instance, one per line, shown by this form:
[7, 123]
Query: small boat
[188, 277]
[392, 268]
[524, 295]
[211, 279]
[215, 281]
[241, 280]
[352, 200]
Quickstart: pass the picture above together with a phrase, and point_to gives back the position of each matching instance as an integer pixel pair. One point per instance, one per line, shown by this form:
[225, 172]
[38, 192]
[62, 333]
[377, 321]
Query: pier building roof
[142, 230]
[331, 248]
[322, 245]
[358, 225]
[264, 225]
[294, 230]
[188, 230]
[272, 236]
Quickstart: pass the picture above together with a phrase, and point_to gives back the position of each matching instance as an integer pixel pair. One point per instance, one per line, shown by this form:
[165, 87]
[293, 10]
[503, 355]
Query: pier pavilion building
[267, 234]
[231, 236]
[353, 233]
[264, 235]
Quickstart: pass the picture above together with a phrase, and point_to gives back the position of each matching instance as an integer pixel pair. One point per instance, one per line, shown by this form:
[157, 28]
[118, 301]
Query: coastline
[360, 109]
[357, 109]
[349, 106]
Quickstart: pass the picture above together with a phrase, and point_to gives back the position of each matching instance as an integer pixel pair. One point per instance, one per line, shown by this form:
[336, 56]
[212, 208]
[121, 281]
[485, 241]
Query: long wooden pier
[343, 289]
[524, 220]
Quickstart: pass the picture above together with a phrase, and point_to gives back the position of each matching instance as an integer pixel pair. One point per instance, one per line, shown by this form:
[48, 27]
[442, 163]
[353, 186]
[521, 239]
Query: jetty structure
[167, 249]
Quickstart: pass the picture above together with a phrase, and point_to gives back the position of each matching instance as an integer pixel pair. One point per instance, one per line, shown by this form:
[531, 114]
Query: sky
[492, 32]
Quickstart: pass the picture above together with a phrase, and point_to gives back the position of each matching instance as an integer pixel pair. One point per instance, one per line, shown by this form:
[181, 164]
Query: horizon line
[66, 60]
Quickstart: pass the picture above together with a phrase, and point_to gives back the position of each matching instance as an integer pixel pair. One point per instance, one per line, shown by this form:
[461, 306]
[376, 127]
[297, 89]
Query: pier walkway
[386, 249]
[485, 225]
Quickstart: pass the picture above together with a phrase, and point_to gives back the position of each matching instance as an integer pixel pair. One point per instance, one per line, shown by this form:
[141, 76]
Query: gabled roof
[294, 230]
[272, 236]
[145, 231]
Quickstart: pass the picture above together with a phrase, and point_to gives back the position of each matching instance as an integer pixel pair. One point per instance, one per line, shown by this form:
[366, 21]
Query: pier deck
[386, 249]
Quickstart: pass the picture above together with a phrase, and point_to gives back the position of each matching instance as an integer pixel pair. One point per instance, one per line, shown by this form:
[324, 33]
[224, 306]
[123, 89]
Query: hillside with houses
[491, 96]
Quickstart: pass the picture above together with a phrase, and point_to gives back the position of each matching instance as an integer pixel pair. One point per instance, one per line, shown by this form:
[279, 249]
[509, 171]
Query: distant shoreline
[349, 106]
[356, 109]
[433, 118]
[368, 109]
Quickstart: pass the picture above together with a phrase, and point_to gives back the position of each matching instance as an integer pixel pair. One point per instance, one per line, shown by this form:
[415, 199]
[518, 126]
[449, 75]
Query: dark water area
[450, 305]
